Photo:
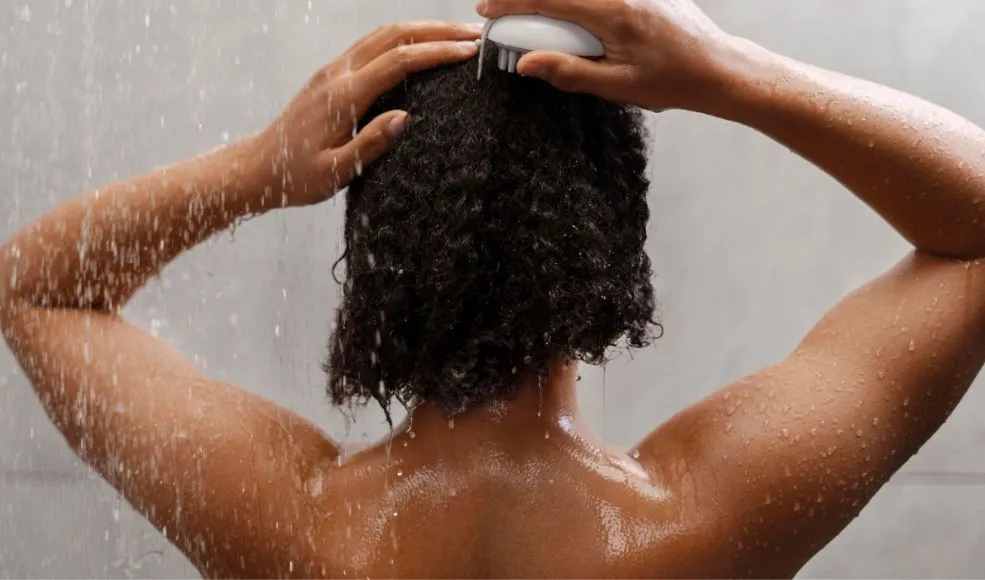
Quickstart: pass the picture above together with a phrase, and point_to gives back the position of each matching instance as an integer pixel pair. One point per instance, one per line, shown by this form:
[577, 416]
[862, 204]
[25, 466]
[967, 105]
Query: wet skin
[752, 481]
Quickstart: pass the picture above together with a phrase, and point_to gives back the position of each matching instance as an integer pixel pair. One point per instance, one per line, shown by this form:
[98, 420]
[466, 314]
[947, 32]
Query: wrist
[247, 182]
[743, 77]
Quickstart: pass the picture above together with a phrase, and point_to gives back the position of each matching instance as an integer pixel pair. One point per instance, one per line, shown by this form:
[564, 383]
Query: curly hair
[504, 229]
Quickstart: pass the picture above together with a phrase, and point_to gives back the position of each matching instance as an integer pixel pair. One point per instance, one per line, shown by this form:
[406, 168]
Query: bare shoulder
[218, 469]
[774, 466]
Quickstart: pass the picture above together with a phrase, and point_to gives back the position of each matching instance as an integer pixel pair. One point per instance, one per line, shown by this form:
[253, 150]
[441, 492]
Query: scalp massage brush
[516, 35]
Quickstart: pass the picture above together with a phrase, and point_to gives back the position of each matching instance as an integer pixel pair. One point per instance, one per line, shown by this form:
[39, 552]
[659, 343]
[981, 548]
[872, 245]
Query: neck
[552, 399]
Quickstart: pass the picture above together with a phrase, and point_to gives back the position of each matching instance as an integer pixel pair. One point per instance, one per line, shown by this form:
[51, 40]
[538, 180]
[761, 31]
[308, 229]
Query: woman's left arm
[171, 440]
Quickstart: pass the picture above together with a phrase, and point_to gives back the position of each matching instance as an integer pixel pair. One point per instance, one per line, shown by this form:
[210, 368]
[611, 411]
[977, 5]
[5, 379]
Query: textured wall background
[751, 245]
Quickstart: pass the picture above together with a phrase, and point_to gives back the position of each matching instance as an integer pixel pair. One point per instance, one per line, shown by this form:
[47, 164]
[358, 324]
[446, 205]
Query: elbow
[956, 246]
[8, 284]
[971, 254]
[12, 283]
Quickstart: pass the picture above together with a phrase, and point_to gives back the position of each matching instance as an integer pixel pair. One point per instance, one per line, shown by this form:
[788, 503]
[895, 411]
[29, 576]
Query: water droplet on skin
[400, 473]
[317, 485]
[769, 500]
[547, 435]
[796, 507]
[411, 434]
[882, 375]
[394, 514]
[451, 423]
[906, 402]
[729, 427]
[875, 421]
[635, 454]
[913, 346]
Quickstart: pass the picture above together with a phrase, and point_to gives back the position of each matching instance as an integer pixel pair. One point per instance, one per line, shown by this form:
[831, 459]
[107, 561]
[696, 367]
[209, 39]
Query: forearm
[97, 250]
[918, 165]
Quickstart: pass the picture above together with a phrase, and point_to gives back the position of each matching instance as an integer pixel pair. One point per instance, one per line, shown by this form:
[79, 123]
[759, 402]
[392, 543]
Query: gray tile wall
[751, 245]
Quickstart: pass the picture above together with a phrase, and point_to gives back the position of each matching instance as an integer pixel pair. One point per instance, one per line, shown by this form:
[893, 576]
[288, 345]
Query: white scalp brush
[516, 35]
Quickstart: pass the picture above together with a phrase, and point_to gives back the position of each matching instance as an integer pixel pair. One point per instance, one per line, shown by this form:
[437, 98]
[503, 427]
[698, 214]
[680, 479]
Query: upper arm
[214, 467]
[789, 456]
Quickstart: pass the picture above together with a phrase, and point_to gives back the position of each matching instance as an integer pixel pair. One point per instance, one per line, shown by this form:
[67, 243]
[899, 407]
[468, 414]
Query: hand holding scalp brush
[516, 35]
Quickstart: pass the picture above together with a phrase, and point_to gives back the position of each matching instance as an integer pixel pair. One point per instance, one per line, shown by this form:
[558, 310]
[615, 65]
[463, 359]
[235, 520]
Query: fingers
[583, 12]
[387, 71]
[389, 37]
[347, 162]
[570, 73]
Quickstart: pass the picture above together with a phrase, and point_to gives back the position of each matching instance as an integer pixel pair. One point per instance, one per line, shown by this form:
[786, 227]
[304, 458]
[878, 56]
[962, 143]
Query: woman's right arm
[779, 463]
[920, 166]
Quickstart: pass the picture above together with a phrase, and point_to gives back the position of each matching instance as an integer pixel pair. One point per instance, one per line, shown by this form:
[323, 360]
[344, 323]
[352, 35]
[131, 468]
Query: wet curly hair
[504, 229]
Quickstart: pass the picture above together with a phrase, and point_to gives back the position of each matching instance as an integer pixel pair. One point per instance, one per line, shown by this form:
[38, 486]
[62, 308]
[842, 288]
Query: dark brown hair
[504, 229]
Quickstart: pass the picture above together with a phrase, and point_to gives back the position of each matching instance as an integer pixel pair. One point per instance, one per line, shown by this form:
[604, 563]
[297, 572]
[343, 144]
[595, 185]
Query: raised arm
[214, 467]
[920, 166]
[772, 468]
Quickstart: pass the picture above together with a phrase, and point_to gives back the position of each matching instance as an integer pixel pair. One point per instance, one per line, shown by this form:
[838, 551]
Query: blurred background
[750, 244]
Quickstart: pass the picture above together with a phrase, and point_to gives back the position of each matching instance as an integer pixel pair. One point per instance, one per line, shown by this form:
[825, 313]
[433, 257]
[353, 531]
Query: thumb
[369, 145]
[566, 72]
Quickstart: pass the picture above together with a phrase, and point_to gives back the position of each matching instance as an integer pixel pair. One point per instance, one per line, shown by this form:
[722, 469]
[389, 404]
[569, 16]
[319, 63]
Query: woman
[750, 482]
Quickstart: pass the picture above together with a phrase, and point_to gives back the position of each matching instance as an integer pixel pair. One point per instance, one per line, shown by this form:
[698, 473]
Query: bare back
[520, 507]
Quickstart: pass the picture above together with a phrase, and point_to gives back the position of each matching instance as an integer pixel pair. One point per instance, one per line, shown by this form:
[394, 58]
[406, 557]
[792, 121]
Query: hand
[310, 152]
[660, 54]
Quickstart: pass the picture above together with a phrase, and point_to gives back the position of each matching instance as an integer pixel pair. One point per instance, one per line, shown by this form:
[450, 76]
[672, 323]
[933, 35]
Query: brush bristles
[508, 60]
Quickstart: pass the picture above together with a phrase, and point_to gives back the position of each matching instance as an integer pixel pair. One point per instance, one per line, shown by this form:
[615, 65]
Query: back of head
[504, 230]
